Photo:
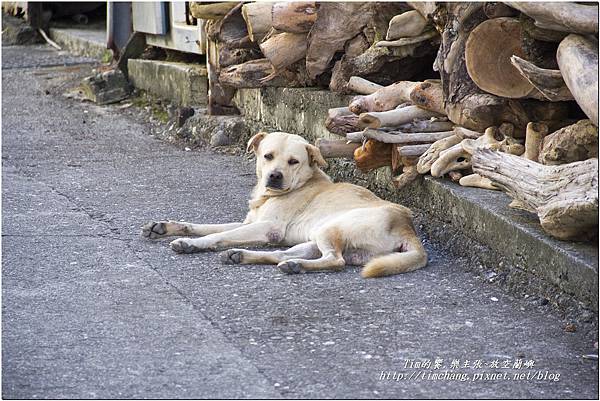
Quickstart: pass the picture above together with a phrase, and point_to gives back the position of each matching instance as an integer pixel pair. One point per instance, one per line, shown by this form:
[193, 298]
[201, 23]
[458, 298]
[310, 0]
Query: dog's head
[284, 162]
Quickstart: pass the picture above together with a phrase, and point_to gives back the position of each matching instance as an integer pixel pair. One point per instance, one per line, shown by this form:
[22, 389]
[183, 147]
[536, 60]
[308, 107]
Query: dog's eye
[292, 162]
[269, 156]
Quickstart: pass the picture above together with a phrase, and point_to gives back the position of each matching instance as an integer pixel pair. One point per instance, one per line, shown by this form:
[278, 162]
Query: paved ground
[90, 309]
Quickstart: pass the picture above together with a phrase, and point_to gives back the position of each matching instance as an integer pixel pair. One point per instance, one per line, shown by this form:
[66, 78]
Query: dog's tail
[413, 258]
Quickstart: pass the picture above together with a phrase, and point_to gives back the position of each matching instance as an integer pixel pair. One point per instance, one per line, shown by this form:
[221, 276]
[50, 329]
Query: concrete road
[92, 310]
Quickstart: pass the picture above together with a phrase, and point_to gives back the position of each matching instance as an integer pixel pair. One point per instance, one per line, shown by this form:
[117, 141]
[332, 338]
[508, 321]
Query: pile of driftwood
[298, 44]
[511, 102]
[515, 109]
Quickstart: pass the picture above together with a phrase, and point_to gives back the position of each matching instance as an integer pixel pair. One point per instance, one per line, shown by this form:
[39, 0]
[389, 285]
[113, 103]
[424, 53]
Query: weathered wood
[541, 34]
[294, 16]
[210, 11]
[565, 197]
[373, 155]
[394, 118]
[284, 49]
[258, 19]
[577, 59]
[429, 95]
[341, 120]
[458, 157]
[252, 74]
[425, 8]
[549, 83]
[408, 41]
[409, 174]
[384, 99]
[408, 24]
[496, 9]
[336, 148]
[219, 96]
[398, 136]
[477, 181]
[230, 31]
[464, 133]
[335, 24]
[570, 144]
[362, 86]
[413, 150]
[432, 154]
[488, 57]
[453, 158]
[430, 125]
[466, 104]
[561, 16]
[534, 138]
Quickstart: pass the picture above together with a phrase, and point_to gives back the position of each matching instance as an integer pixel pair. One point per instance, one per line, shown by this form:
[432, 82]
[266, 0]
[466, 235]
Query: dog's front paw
[232, 256]
[154, 229]
[290, 267]
[183, 245]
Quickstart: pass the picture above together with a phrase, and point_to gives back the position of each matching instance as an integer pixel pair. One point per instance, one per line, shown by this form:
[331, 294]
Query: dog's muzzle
[275, 180]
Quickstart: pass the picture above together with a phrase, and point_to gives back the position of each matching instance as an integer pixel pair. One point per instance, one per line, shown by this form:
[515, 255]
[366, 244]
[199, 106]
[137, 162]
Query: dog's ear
[314, 155]
[255, 141]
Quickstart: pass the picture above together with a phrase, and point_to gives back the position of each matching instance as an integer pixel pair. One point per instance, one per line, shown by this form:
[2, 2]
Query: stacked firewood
[508, 112]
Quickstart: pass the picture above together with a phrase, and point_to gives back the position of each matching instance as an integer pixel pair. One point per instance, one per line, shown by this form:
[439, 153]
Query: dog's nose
[276, 176]
[275, 180]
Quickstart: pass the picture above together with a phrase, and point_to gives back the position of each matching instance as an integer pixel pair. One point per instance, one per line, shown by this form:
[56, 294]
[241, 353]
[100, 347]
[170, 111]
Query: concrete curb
[515, 238]
[184, 84]
[81, 42]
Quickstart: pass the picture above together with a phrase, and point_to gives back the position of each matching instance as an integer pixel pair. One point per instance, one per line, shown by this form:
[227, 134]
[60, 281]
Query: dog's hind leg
[330, 243]
[306, 250]
[161, 229]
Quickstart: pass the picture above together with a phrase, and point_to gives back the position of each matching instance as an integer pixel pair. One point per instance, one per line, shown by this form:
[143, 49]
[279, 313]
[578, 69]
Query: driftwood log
[465, 103]
[258, 19]
[477, 181]
[210, 11]
[488, 53]
[564, 197]
[413, 150]
[394, 118]
[373, 155]
[409, 174]
[408, 24]
[294, 16]
[284, 49]
[429, 95]
[549, 83]
[362, 86]
[429, 125]
[404, 42]
[561, 16]
[570, 144]
[384, 99]
[397, 137]
[577, 58]
[341, 120]
[220, 95]
[336, 148]
[496, 9]
[534, 138]
[256, 74]
[335, 24]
